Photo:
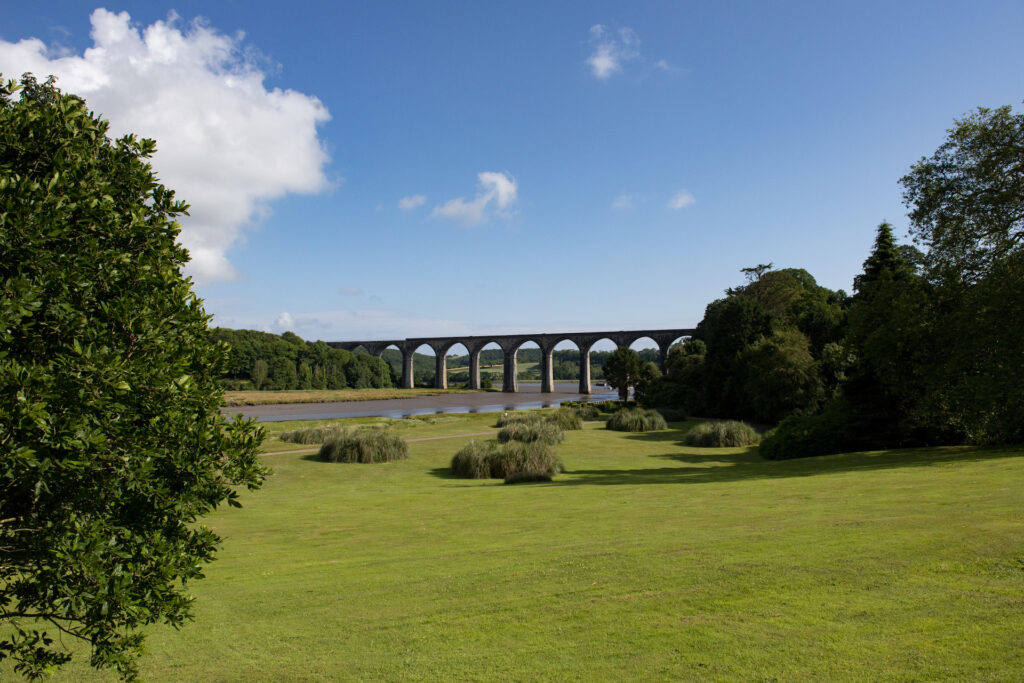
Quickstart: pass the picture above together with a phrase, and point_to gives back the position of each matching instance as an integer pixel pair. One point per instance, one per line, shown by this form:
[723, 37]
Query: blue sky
[564, 166]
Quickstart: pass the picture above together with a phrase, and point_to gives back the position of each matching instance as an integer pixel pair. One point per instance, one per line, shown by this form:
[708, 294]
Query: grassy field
[646, 560]
[256, 398]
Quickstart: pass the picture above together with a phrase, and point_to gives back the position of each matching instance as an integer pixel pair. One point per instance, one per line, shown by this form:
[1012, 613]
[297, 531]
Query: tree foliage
[623, 368]
[966, 206]
[281, 362]
[758, 351]
[112, 445]
[967, 200]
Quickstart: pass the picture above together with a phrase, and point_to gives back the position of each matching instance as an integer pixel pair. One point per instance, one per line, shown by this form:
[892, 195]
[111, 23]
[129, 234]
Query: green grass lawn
[646, 560]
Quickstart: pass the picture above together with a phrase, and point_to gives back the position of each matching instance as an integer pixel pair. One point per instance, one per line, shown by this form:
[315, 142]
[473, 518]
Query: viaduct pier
[509, 345]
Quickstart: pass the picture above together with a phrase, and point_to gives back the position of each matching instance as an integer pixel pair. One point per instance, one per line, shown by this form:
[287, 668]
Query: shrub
[474, 460]
[636, 420]
[528, 432]
[311, 434]
[807, 436]
[672, 414]
[364, 445]
[717, 434]
[587, 411]
[566, 418]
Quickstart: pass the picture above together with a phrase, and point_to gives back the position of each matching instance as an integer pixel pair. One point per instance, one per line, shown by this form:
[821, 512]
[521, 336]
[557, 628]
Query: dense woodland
[260, 360]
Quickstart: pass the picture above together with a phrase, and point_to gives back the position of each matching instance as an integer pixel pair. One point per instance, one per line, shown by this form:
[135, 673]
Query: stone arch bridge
[510, 344]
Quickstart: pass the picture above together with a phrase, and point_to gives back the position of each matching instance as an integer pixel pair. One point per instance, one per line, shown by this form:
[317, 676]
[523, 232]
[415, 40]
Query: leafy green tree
[967, 200]
[622, 369]
[967, 208]
[646, 380]
[305, 376]
[890, 337]
[112, 444]
[259, 373]
[782, 377]
[728, 327]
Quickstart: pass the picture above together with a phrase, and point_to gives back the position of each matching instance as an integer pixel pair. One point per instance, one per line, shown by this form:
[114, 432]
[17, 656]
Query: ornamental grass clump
[524, 461]
[566, 418]
[528, 432]
[518, 418]
[514, 461]
[474, 460]
[636, 420]
[366, 446]
[719, 434]
[310, 435]
[585, 409]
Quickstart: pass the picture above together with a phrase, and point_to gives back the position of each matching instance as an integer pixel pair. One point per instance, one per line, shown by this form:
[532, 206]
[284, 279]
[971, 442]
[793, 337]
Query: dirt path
[422, 438]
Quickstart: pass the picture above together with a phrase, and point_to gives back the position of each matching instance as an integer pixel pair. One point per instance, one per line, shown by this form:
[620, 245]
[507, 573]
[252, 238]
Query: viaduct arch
[509, 344]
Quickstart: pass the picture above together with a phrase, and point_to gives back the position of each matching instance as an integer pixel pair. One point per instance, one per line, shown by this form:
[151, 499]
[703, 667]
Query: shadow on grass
[749, 465]
[443, 473]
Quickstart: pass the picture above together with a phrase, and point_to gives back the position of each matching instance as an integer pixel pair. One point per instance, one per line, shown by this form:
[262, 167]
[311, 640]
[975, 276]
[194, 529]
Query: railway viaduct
[509, 344]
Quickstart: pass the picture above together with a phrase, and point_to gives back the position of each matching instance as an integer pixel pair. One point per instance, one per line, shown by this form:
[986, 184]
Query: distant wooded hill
[260, 360]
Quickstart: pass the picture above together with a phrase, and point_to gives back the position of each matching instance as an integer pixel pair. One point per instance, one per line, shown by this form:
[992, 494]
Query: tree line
[260, 360]
[927, 350]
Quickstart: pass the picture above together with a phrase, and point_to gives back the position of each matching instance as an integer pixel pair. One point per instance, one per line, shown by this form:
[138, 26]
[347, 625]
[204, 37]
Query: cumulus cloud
[611, 49]
[225, 143]
[499, 188]
[681, 200]
[412, 201]
[285, 322]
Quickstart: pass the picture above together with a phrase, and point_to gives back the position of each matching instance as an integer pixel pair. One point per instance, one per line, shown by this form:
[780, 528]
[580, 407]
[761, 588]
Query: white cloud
[611, 49]
[623, 201]
[500, 188]
[350, 291]
[665, 66]
[225, 143]
[681, 200]
[285, 322]
[412, 201]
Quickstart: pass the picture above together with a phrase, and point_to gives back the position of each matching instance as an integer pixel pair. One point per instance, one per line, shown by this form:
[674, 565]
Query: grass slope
[647, 560]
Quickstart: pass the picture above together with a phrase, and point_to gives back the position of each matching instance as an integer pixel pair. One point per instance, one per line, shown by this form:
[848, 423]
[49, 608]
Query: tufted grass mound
[366, 446]
[636, 420]
[518, 417]
[473, 461]
[513, 461]
[730, 434]
[518, 461]
[527, 432]
[586, 410]
[565, 418]
[309, 435]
